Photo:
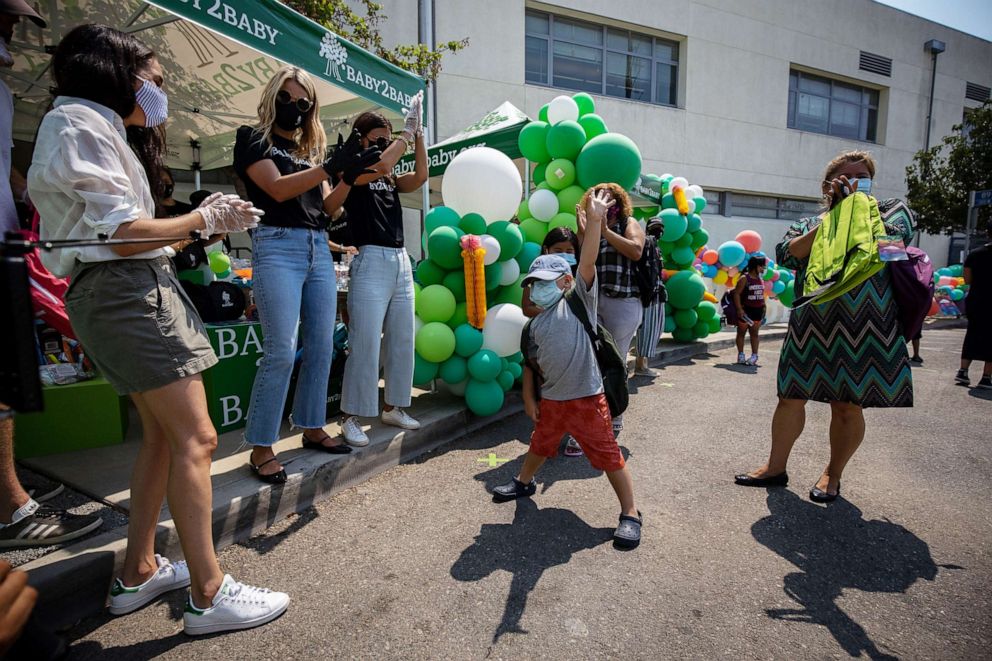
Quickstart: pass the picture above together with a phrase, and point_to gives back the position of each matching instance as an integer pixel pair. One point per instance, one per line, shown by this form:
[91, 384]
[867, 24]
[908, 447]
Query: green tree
[363, 30]
[939, 179]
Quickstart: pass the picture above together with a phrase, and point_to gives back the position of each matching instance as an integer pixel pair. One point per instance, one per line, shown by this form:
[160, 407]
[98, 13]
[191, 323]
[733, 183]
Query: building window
[714, 202]
[767, 206]
[822, 105]
[578, 55]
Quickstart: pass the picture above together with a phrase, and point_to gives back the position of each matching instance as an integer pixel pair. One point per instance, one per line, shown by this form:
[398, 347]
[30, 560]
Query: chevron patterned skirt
[850, 349]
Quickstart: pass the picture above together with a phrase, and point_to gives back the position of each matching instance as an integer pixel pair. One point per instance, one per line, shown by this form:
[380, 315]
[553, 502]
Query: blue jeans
[293, 278]
[380, 311]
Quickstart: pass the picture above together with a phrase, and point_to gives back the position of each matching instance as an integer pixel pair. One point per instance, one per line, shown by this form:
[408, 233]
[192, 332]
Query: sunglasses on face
[303, 104]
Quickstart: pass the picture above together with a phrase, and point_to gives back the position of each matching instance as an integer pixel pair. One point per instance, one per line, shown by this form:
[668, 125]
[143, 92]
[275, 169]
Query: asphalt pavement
[419, 563]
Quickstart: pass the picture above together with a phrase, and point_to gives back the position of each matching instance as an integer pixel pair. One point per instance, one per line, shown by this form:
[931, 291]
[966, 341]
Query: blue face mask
[545, 293]
[568, 257]
[864, 185]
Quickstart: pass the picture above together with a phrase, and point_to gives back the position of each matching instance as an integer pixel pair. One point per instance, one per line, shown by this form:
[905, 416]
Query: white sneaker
[235, 606]
[170, 576]
[753, 360]
[353, 434]
[399, 418]
[741, 360]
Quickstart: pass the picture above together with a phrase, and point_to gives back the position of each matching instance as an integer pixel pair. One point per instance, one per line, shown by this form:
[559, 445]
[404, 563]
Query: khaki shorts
[136, 323]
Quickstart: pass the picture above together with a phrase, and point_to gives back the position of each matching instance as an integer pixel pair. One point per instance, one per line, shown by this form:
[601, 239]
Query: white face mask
[153, 101]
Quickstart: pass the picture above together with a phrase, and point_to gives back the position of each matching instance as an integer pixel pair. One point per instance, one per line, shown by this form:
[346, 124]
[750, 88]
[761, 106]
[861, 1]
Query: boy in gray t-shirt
[572, 399]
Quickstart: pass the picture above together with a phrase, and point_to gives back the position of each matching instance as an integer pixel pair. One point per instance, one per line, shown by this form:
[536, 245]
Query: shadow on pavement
[555, 469]
[146, 649]
[734, 367]
[980, 393]
[834, 549]
[536, 540]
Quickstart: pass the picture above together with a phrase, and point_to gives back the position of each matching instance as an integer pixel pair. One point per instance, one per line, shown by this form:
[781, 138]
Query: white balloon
[691, 203]
[694, 190]
[667, 175]
[562, 108]
[678, 182]
[457, 389]
[543, 205]
[501, 332]
[484, 181]
[510, 272]
[491, 246]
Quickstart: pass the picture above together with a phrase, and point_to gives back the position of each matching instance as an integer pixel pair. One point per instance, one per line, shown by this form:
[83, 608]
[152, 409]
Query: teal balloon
[453, 370]
[505, 380]
[700, 204]
[435, 342]
[532, 141]
[515, 369]
[493, 273]
[706, 310]
[444, 247]
[669, 310]
[715, 324]
[701, 329]
[686, 318]
[666, 247]
[435, 303]
[778, 287]
[731, 253]
[685, 290]
[472, 223]
[675, 224]
[515, 358]
[668, 201]
[424, 371]
[560, 174]
[684, 241]
[527, 253]
[565, 139]
[440, 217]
[683, 255]
[429, 273]
[593, 125]
[699, 238]
[683, 335]
[956, 295]
[468, 340]
[485, 365]
[455, 283]
[460, 316]
[483, 397]
[957, 270]
[669, 324]
[585, 103]
[509, 237]
[694, 222]
[610, 157]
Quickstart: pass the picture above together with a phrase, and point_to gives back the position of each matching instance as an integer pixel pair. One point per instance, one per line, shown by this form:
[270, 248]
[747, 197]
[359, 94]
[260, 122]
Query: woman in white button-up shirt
[131, 314]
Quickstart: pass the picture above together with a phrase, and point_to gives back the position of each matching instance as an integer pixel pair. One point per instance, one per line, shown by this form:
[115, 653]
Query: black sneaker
[986, 382]
[514, 489]
[962, 378]
[917, 360]
[47, 526]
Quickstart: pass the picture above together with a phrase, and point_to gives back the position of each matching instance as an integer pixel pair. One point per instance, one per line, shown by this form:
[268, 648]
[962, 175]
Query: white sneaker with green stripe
[235, 606]
[170, 576]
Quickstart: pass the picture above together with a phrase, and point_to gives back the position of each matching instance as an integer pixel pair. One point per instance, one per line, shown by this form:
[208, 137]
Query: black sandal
[341, 448]
[278, 477]
[628, 534]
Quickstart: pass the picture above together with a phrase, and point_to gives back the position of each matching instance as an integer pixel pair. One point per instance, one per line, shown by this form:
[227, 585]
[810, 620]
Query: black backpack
[612, 364]
[647, 275]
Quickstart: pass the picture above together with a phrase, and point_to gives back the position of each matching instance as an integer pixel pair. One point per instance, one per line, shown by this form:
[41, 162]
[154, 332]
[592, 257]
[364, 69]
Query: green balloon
[694, 223]
[435, 342]
[684, 241]
[674, 224]
[468, 340]
[532, 141]
[483, 397]
[700, 204]
[484, 365]
[669, 324]
[565, 139]
[453, 370]
[435, 303]
[444, 247]
[493, 273]
[513, 293]
[669, 310]
[564, 220]
[515, 358]
[539, 173]
[683, 335]
[439, 217]
[699, 238]
[523, 211]
[701, 329]
[460, 316]
[668, 201]
[219, 262]
[569, 197]
[585, 103]
[610, 157]
[515, 369]
[472, 223]
[787, 296]
[666, 248]
[424, 370]
[685, 290]
[533, 231]
[560, 174]
[455, 283]
[505, 380]
[429, 273]
[527, 253]
[768, 275]
[510, 239]
[706, 310]
[715, 324]
[683, 255]
[543, 186]
[542, 114]
[686, 318]
[593, 125]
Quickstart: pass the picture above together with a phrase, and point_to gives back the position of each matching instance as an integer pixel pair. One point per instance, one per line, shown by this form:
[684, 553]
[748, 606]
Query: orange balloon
[711, 257]
[710, 297]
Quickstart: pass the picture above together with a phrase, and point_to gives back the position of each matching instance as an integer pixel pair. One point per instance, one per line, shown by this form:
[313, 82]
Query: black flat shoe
[512, 490]
[745, 480]
[341, 448]
[821, 496]
[275, 478]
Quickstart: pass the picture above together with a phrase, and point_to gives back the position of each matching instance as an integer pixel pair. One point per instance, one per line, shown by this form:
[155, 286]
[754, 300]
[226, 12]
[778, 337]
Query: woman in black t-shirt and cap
[380, 289]
[281, 161]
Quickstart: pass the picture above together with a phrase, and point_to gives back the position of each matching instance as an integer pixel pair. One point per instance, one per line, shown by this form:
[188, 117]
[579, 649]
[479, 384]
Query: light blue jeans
[380, 311]
[293, 279]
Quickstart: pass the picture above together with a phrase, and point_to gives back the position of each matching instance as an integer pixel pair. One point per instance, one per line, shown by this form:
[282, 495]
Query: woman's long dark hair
[369, 121]
[100, 64]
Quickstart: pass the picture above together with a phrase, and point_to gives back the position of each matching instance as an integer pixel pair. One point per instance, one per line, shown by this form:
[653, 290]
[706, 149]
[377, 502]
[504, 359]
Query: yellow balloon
[720, 277]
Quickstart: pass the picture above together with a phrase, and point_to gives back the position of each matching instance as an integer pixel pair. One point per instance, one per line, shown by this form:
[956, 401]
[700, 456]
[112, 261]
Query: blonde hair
[311, 140]
[619, 194]
[839, 161]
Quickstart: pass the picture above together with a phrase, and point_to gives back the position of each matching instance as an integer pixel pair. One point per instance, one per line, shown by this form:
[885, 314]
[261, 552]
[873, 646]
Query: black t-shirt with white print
[306, 210]
[375, 217]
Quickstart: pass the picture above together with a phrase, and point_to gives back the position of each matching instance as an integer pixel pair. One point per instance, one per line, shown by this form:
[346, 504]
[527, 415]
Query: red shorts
[588, 420]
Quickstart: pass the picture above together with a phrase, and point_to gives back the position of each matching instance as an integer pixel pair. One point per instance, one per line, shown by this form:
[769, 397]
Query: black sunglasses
[302, 104]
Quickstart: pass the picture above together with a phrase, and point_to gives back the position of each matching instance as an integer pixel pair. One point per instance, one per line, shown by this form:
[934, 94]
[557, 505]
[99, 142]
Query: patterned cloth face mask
[153, 101]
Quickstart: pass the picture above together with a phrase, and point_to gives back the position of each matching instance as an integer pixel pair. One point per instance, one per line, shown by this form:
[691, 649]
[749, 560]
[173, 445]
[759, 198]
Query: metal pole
[526, 179]
[425, 30]
[933, 80]
[968, 226]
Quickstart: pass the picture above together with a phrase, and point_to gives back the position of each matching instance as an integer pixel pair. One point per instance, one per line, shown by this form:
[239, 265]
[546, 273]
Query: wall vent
[976, 92]
[875, 64]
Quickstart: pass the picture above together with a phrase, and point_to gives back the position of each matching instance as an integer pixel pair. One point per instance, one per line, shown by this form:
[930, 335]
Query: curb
[73, 582]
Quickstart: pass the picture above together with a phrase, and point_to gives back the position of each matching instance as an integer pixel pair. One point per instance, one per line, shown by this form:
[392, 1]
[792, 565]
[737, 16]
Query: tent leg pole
[196, 179]
[526, 179]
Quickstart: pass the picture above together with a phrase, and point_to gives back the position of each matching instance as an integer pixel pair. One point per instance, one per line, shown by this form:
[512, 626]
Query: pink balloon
[750, 239]
[775, 276]
[710, 257]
